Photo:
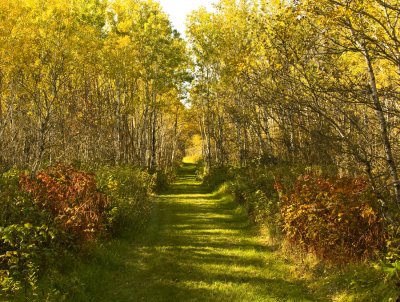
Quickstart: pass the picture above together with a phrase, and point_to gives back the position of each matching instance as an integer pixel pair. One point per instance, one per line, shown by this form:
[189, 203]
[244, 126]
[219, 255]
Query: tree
[89, 81]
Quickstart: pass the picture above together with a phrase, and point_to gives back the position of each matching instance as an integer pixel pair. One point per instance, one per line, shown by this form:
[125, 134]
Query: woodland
[255, 159]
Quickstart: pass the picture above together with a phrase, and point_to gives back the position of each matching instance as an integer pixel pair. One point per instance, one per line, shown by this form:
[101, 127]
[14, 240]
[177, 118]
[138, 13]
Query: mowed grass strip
[197, 247]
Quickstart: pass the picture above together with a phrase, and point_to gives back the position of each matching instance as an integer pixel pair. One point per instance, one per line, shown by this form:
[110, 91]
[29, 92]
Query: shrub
[216, 177]
[26, 241]
[129, 189]
[61, 206]
[16, 205]
[335, 218]
[390, 265]
[24, 249]
[200, 170]
[72, 199]
[254, 189]
[162, 181]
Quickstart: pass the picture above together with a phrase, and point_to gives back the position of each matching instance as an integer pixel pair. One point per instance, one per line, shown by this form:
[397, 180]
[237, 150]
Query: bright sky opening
[178, 10]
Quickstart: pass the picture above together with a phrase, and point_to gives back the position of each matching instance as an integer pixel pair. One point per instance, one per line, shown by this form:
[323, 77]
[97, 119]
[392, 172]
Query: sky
[179, 9]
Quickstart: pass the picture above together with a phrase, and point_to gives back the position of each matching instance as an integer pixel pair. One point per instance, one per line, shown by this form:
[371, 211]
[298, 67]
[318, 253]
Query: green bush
[129, 189]
[216, 177]
[200, 170]
[162, 181]
[253, 188]
[24, 250]
[390, 264]
[27, 237]
[17, 206]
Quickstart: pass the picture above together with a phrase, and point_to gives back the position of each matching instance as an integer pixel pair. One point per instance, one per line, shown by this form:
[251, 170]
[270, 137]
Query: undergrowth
[61, 213]
[312, 213]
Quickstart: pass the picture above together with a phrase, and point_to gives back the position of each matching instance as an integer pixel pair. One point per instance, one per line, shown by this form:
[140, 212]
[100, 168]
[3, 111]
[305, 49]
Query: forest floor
[198, 247]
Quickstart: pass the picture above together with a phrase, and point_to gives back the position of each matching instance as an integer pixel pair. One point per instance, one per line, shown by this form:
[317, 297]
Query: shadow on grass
[197, 248]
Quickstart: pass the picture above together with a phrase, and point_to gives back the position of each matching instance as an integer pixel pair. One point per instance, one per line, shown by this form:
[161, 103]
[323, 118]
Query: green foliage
[16, 205]
[393, 241]
[129, 189]
[200, 170]
[253, 188]
[162, 180]
[391, 269]
[390, 265]
[26, 237]
[335, 218]
[216, 177]
[24, 249]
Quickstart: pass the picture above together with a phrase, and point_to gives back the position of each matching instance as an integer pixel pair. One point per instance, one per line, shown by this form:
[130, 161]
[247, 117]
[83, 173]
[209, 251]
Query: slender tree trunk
[208, 137]
[153, 161]
[383, 126]
[175, 139]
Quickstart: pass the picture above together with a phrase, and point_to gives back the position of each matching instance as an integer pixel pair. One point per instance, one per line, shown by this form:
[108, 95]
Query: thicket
[339, 219]
[71, 198]
[63, 210]
[215, 177]
[331, 224]
[129, 190]
[254, 188]
[162, 180]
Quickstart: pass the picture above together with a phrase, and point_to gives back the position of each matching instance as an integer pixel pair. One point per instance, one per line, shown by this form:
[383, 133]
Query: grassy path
[197, 248]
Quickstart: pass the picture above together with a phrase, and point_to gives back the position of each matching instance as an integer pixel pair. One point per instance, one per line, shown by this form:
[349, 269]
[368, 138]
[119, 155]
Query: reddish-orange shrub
[335, 218]
[71, 197]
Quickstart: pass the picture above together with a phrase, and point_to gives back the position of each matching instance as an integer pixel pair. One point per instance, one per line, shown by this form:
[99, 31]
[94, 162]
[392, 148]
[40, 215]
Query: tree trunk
[383, 126]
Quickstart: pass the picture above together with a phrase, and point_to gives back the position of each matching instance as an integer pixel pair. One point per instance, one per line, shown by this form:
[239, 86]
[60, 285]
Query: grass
[199, 247]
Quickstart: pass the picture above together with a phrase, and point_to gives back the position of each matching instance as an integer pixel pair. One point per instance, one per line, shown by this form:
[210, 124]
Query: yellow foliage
[124, 42]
